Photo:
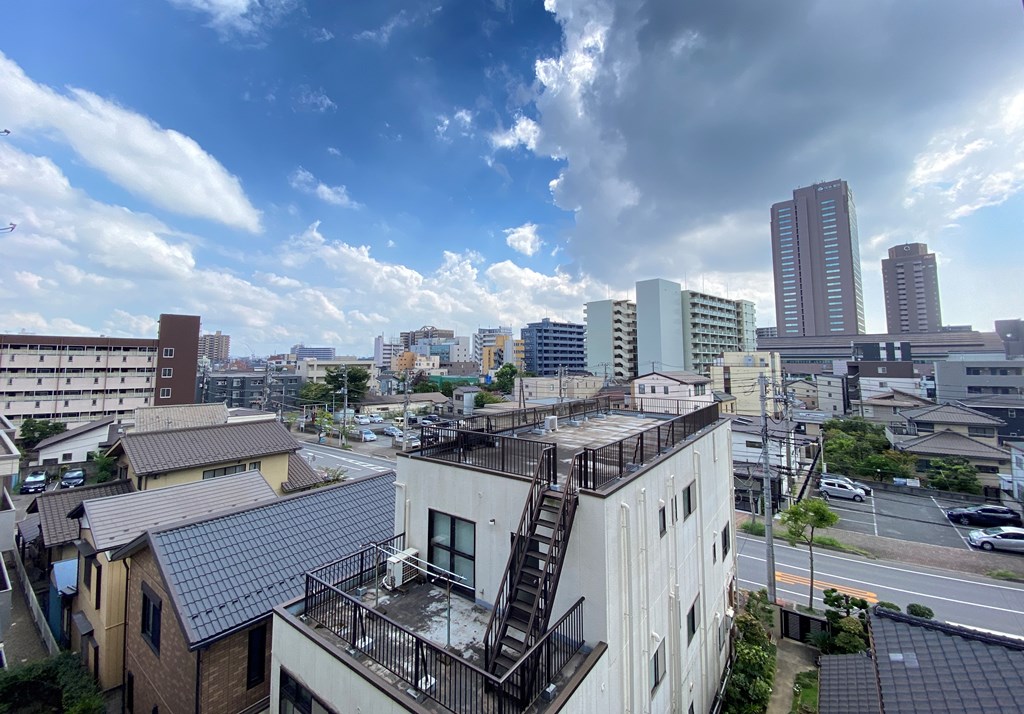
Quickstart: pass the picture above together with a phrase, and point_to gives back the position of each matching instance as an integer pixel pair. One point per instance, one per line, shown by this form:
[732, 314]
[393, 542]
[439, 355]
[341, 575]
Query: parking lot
[903, 516]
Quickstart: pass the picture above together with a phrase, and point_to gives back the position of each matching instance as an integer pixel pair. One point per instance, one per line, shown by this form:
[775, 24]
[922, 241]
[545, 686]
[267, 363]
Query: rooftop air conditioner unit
[401, 568]
[551, 423]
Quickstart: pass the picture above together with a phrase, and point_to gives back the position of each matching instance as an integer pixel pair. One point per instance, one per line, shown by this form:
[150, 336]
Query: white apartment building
[384, 352]
[315, 370]
[580, 582]
[659, 325]
[611, 338]
[553, 389]
[491, 337]
[736, 373]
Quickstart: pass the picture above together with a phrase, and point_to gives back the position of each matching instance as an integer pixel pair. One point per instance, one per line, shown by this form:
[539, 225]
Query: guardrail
[505, 454]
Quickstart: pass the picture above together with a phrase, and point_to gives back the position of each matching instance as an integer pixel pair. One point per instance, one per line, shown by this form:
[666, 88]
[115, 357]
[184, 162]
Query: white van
[830, 488]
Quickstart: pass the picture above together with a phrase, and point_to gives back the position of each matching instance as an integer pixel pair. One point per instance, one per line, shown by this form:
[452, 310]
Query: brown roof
[57, 438]
[300, 475]
[117, 520]
[53, 508]
[950, 443]
[179, 416]
[157, 452]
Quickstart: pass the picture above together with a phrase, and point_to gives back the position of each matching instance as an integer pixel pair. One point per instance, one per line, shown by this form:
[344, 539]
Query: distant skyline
[319, 172]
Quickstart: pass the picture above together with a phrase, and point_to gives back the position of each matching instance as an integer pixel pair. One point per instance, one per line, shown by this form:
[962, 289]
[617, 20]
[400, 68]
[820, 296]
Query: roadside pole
[766, 490]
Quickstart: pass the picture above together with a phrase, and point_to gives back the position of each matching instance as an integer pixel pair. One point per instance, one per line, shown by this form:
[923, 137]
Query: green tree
[105, 466]
[801, 521]
[505, 378]
[315, 393]
[483, 398]
[954, 474]
[918, 610]
[357, 379]
[35, 430]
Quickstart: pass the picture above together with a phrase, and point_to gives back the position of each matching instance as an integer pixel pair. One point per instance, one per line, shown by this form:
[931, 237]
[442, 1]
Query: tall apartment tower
[549, 346]
[911, 281]
[713, 326]
[611, 338]
[215, 347]
[659, 325]
[816, 257]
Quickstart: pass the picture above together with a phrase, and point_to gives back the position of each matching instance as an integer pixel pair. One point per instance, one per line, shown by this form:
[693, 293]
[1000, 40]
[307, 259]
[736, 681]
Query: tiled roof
[950, 443]
[951, 414]
[103, 423]
[896, 398]
[1002, 401]
[848, 685]
[681, 376]
[162, 451]
[179, 416]
[234, 568]
[53, 508]
[928, 666]
[300, 475]
[118, 520]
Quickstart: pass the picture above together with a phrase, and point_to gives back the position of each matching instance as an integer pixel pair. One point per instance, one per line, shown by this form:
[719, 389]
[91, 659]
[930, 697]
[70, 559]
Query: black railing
[665, 405]
[505, 454]
[359, 568]
[454, 683]
[535, 416]
[598, 467]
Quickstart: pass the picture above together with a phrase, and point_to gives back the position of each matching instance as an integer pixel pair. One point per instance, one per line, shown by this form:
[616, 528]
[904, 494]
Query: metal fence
[598, 467]
[506, 454]
[358, 568]
[665, 405]
[798, 625]
[534, 416]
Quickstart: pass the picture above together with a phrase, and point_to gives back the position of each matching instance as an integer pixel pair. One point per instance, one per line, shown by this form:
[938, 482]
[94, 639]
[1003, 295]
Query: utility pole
[344, 414]
[769, 542]
[405, 410]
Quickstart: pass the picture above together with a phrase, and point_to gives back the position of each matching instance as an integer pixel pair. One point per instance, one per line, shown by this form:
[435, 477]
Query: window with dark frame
[726, 541]
[658, 666]
[689, 500]
[129, 693]
[296, 699]
[662, 521]
[99, 583]
[256, 665]
[693, 619]
[453, 547]
[151, 606]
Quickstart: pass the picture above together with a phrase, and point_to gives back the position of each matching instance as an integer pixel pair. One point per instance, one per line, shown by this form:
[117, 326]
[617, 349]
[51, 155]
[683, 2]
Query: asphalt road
[954, 597]
[355, 465]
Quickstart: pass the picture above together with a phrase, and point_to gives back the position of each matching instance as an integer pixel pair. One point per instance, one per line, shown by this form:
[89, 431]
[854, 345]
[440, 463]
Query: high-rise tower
[911, 282]
[816, 257]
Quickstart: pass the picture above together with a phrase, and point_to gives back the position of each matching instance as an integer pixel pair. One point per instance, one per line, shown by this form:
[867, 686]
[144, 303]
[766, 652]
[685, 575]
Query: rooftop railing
[534, 416]
[505, 454]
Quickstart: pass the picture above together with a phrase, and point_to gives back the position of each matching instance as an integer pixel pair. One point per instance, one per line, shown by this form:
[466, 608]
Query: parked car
[831, 488]
[390, 430]
[35, 482]
[363, 420]
[998, 538]
[846, 479]
[73, 479]
[430, 419]
[366, 435]
[412, 442]
[984, 515]
[376, 419]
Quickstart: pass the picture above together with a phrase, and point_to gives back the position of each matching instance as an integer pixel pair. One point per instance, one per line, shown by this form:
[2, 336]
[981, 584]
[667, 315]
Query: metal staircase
[523, 608]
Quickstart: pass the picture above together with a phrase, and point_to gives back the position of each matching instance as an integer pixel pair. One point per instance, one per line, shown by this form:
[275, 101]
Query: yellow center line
[822, 585]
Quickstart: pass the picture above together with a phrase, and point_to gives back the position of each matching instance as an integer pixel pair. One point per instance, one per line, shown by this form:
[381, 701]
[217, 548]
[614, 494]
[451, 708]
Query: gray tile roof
[53, 508]
[103, 423]
[950, 443]
[928, 666]
[300, 475]
[162, 451]
[847, 685]
[118, 520]
[234, 568]
[951, 414]
[684, 376]
[179, 416]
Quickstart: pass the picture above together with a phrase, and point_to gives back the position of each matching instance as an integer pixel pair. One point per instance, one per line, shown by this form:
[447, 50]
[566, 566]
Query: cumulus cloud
[303, 180]
[161, 166]
[523, 132]
[523, 239]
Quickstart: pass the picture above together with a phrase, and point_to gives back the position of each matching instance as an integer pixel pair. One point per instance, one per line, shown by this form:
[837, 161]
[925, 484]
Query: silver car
[998, 538]
[831, 488]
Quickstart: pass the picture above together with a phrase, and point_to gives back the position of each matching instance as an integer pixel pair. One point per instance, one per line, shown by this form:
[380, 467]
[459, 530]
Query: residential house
[200, 594]
[1016, 485]
[74, 446]
[726, 402]
[885, 408]
[787, 445]
[180, 416]
[804, 391]
[419, 403]
[671, 392]
[614, 592]
[917, 665]
[568, 388]
[157, 459]
[106, 524]
[1007, 407]
[949, 417]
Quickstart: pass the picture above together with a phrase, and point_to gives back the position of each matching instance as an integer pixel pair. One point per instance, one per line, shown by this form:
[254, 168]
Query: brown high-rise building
[816, 257]
[911, 282]
[215, 347]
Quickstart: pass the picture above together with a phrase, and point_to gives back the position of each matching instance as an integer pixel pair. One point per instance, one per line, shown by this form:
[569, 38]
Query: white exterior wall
[654, 385]
[659, 325]
[79, 446]
[830, 395]
[877, 386]
[743, 454]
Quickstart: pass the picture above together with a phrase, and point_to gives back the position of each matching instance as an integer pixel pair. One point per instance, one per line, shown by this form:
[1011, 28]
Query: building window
[726, 541]
[658, 666]
[151, 606]
[296, 699]
[666, 389]
[693, 619]
[255, 466]
[689, 500]
[453, 547]
[714, 552]
[66, 457]
[675, 509]
[641, 387]
[168, 352]
[165, 392]
[167, 372]
[753, 444]
[662, 521]
[224, 471]
[87, 571]
[255, 671]
[99, 583]
[129, 693]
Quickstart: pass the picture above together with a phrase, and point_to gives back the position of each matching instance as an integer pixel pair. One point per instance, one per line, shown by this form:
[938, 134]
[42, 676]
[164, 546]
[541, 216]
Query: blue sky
[325, 172]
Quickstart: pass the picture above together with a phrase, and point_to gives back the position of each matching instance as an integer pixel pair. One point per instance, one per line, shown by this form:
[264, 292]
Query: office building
[767, 332]
[551, 348]
[816, 257]
[611, 338]
[659, 325]
[215, 347]
[911, 281]
[969, 375]
[77, 380]
[713, 326]
[408, 339]
[302, 352]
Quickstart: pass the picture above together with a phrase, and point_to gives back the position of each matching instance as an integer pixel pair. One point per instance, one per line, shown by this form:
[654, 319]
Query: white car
[366, 435]
[998, 538]
[376, 419]
[831, 488]
[363, 420]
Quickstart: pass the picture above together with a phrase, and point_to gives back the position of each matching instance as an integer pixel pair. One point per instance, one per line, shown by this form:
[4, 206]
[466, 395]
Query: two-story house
[671, 392]
[157, 459]
[106, 524]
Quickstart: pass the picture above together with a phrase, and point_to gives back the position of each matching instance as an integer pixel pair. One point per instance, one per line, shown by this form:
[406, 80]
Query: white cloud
[242, 17]
[303, 180]
[441, 128]
[315, 100]
[523, 239]
[333, 151]
[464, 118]
[321, 34]
[278, 281]
[524, 132]
[162, 166]
[382, 35]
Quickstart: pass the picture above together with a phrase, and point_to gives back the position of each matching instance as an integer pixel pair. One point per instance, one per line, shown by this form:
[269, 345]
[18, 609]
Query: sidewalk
[792, 658]
[21, 642]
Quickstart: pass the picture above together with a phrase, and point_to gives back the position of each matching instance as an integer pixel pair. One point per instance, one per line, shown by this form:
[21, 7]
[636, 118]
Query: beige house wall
[274, 469]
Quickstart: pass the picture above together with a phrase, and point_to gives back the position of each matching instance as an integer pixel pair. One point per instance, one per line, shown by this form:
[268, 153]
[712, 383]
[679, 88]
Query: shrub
[56, 684]
[754, 528]
[920, 611]
[889, 606]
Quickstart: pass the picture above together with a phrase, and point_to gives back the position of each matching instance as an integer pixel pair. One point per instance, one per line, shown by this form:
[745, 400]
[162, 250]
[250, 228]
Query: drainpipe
[645, 619]
[199, 677]
[702, 558]
[124, 639]
[674, 644]
[625, 592]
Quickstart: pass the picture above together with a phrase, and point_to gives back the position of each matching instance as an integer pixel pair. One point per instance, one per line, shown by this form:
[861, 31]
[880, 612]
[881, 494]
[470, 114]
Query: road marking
[860, 561]
[850, 520]
[791, 579]
[966, 544]
[874, 516]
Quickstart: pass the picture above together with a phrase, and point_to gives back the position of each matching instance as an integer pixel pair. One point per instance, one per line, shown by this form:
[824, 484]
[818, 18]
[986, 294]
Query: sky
[325, 172]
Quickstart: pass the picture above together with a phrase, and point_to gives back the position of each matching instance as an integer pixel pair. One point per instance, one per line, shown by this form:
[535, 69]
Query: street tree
[314, 393]
[483, 398]
[356, 380]
[954, 474]
[801, 521]
[35, 430]
[505, 378]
